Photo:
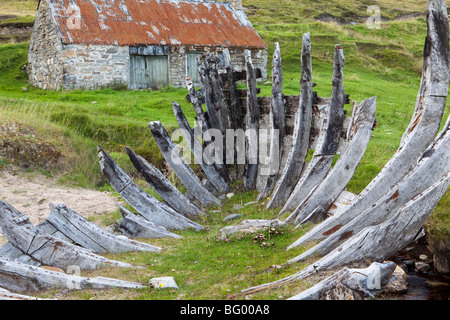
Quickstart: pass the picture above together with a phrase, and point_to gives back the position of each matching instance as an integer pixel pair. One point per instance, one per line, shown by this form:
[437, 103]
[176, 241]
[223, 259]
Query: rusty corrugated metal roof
[153, 22]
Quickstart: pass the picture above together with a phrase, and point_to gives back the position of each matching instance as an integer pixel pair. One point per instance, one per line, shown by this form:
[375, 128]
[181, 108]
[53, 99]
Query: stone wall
[44, 67]
[177, 61]
[95, 66]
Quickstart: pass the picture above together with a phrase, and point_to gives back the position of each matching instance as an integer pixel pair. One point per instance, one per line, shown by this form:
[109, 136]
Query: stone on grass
[163, 283]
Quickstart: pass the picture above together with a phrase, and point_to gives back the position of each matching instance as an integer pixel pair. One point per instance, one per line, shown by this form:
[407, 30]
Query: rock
[163, 283]
[251, 226]
[423, 257]
[423, 267]
[232, 217]
[397, 283]
[229, 195]
[24, 89]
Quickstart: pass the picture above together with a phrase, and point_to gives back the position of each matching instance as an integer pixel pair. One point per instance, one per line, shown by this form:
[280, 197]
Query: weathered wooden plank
[351, 284]
[335, 182]
[88, 235]
[296, 158]
[146, 205]
[212, 172]
[278, 125]
[180, 166]
[423, 128]
[50, 229]
[252, 127]
[162, 186]
[434, 163]
[6, 295]
[378, 242]
[236, 114]
[202, 120]
[327, 146]
[45, 248]
[134, 226]
[9, 251]
[19, 277]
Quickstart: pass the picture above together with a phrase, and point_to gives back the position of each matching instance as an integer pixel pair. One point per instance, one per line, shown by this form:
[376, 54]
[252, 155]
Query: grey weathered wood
[434, 163]
[191, 66]
[252, 126]
[179, 165]
[18, 277]
[376, 243]
[297, 156]
[351, 284]
[134, 226]
[146, 205]
[88, 235]
[45, 248]
[236, 115]
[327, 146]
[379, 242]
[50, 229]
[278, 124]
[162, 186]
[215, 101]
[9, 251]
[204, 124]
[6, 295]
[202, 120]
[430, 106]
[212, 172]
[424, 125]
[148, 71]
[335, 182]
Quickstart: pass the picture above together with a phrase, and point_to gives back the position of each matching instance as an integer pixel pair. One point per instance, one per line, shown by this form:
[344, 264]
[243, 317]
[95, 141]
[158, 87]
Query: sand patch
[32, 194]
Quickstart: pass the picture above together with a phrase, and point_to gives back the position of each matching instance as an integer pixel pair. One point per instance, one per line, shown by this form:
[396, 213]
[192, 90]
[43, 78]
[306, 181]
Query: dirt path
[31, 194]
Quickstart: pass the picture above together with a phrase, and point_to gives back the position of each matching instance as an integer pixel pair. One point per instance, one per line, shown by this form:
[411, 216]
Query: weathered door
[149, 71]
[191, 66]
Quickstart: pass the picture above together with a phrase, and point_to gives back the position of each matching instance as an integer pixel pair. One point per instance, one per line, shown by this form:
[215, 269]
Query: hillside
[37, 126]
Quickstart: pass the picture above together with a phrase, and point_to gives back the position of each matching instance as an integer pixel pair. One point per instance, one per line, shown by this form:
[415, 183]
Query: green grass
[385, 63]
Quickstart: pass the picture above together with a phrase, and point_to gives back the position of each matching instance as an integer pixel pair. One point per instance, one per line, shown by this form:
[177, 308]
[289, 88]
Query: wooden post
[180, 166]
[146, 205]
[252, 128]
[329, 140]
[297, 156]
[278, 123]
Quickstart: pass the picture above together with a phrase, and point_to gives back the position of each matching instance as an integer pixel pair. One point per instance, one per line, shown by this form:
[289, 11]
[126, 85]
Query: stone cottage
[87, 44]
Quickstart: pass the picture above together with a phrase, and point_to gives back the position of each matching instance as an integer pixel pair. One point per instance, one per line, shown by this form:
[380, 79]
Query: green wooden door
[191, 66]
[149, 71]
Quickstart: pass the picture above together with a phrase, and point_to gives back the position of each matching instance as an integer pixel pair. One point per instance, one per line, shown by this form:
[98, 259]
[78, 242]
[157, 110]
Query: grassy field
[383, 62]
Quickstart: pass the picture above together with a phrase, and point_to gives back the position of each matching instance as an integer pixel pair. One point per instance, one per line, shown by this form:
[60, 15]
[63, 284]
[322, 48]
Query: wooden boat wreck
[391, 209]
